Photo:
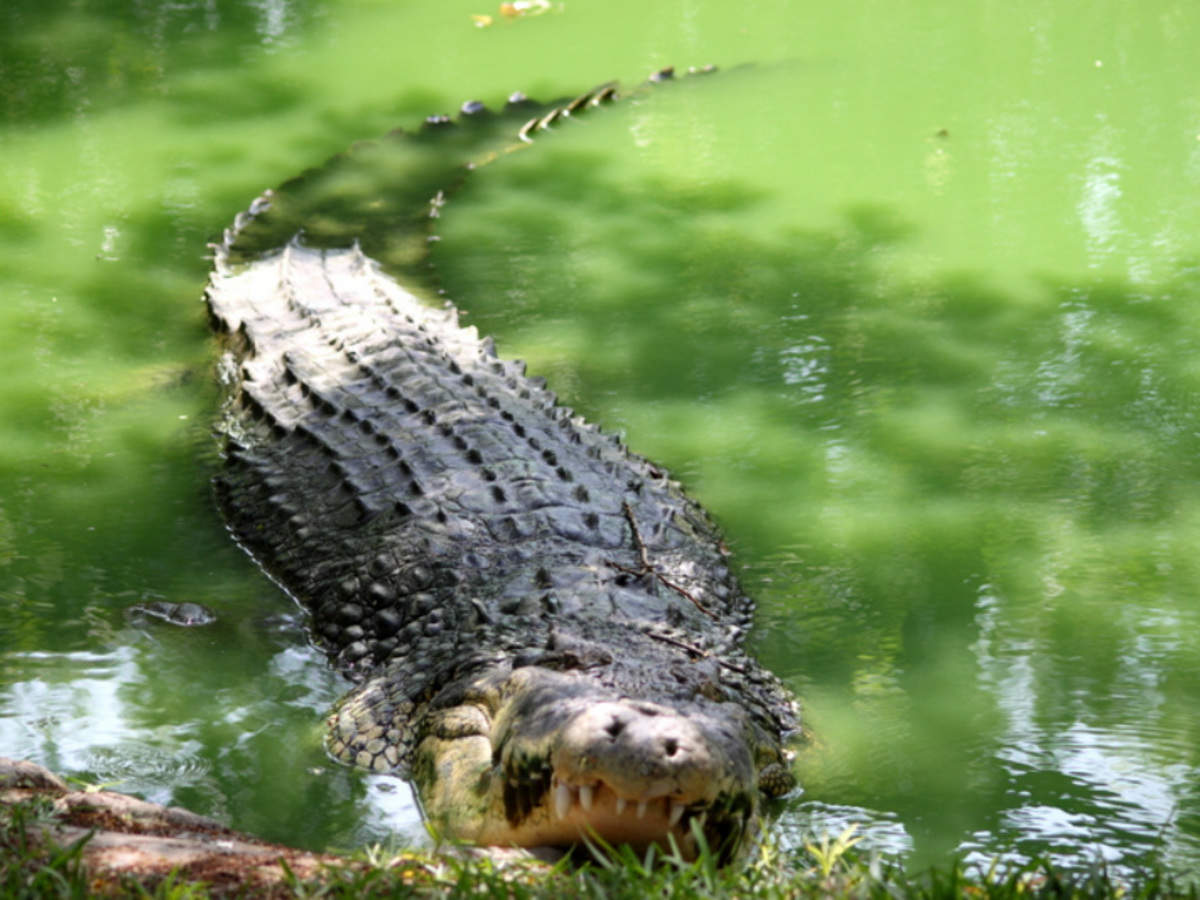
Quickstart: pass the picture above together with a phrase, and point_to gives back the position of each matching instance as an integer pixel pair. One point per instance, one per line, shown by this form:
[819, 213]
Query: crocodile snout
[643, 751]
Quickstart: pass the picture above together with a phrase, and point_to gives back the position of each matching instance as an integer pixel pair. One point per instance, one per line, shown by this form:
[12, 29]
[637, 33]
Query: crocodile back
[408, 487]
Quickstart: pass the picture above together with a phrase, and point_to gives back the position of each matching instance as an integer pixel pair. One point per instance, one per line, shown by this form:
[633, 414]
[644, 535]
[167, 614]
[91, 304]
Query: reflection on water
[805, 367]
[63, 705]
[207, 743]
[1060, 379]
[1084, 785]
[275, 20]
[1082, 759]
[881, 833]
[392, 816]
[1100, 195]
[67, 710]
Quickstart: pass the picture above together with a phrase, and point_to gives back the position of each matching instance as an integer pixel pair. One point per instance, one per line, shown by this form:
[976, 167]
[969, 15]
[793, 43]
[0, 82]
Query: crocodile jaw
[553, 761]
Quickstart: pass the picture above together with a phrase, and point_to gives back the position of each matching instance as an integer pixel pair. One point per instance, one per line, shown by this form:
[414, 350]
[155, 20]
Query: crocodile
[545, 631]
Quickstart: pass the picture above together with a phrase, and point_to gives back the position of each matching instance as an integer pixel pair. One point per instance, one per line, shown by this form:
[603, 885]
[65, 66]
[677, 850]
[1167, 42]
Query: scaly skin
[545, 628]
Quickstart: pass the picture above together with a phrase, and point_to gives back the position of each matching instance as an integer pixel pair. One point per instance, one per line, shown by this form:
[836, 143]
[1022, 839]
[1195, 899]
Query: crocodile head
[555, 749]
[549, 758]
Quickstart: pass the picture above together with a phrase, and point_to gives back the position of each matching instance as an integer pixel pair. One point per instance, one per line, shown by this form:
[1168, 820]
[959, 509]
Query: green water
[911, 303]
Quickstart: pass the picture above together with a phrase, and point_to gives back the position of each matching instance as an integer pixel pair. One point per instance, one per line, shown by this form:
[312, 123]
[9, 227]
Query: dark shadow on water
[56, 60]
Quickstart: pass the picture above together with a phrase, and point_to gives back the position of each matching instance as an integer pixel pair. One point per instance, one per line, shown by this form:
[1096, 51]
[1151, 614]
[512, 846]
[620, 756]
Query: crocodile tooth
[620, 804]
[675, 813]
[641, 809]
[562, 799]
[585, 797]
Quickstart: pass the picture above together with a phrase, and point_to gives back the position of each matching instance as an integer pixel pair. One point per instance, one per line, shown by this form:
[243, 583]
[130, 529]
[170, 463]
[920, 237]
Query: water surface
[910, 302]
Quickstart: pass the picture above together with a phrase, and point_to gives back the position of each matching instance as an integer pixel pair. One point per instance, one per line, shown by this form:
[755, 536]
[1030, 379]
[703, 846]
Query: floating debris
[515, 10]
[524, 8]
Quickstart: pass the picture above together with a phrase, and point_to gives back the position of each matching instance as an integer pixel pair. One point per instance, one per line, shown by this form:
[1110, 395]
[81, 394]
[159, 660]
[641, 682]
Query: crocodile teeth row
[564, 796]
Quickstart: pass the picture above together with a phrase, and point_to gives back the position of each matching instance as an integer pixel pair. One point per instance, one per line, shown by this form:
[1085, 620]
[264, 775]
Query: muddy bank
[146, 842]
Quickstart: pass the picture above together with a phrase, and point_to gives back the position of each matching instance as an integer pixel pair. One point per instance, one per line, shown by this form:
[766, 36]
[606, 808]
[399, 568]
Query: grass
[828, 867]
[31, 868]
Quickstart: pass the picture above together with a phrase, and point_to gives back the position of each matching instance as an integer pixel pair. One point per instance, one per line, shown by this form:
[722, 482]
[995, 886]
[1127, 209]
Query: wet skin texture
[545, 628]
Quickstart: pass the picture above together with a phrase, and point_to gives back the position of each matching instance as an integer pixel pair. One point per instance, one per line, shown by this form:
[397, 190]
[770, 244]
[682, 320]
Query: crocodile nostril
[615, 727]
[670, 746]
